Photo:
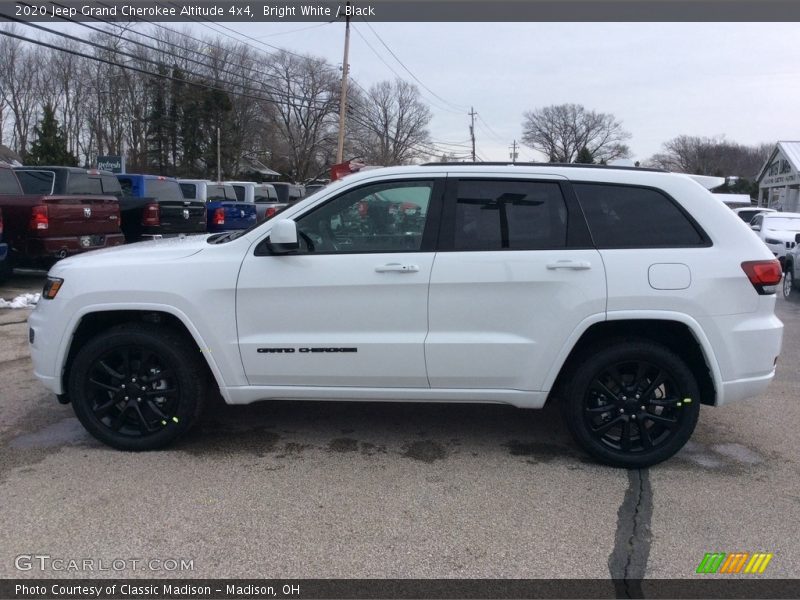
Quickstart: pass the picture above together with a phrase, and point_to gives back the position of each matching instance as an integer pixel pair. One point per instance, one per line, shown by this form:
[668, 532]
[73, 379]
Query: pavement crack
[12, 323]
[628, 560]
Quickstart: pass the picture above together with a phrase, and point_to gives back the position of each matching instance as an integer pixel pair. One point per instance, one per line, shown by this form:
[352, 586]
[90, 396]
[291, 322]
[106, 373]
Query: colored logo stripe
[734, 562]
[758, 563]
[720, 562]
[711, 562]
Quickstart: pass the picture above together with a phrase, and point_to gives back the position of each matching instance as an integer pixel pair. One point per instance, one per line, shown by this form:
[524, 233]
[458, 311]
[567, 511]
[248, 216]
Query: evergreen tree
[584, 157]
[50, 147]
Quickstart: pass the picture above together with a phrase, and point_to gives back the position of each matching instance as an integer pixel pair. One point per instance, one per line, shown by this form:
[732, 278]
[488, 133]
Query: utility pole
[219, 159]
[514, 154]
[343, 99]
[472, 114]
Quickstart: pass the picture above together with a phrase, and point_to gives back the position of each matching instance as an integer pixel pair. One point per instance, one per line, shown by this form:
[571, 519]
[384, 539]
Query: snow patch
[21, 301]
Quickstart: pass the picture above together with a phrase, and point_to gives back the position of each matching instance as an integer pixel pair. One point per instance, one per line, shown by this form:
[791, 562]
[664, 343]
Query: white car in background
[747, 213]
[778, 231]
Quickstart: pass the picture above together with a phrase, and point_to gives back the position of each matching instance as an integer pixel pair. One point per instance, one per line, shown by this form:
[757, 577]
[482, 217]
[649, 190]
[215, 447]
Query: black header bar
[405, 10]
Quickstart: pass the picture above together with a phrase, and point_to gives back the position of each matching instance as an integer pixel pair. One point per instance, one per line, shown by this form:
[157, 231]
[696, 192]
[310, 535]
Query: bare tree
[17, 81]
[561, 132]
[389, 124]
[711, 156]
[305, 95]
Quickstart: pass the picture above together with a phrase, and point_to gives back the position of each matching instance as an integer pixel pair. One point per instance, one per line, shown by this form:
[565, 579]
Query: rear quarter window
[623, 216]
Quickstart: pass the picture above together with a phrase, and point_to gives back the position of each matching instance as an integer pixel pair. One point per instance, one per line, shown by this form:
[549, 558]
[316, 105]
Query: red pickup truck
[42, 228]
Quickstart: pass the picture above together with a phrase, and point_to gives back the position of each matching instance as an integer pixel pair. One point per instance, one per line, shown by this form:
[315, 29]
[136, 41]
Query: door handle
[397, 267]
[575, 265]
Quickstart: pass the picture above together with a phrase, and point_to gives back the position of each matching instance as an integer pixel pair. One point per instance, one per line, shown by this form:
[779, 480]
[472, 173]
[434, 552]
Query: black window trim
[706, 240]
[578, 237]
[429, 234]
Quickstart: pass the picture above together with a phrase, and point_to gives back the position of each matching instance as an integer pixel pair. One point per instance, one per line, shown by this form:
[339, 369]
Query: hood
[154, 251]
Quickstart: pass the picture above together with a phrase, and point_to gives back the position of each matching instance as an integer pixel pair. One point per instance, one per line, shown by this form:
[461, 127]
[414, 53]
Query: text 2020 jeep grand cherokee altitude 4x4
[627, 296]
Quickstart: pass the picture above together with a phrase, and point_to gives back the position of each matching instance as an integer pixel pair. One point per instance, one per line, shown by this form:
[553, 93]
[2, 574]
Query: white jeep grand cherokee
[627, 296]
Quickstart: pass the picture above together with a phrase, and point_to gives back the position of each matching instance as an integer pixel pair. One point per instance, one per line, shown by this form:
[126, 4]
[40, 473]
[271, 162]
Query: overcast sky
[740, 80]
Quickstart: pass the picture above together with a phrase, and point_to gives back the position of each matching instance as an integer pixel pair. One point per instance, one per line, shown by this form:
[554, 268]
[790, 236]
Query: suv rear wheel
[136, 387]
[631, 403]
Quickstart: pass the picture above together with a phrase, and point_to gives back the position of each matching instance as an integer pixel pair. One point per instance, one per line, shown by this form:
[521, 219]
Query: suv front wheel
[137, 387]
[631, 403]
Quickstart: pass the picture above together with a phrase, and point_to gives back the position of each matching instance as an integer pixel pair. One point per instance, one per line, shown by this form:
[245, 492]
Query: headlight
[51, 287]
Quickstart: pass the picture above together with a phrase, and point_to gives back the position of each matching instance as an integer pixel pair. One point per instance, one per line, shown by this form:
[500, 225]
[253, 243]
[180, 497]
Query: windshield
[783, 223]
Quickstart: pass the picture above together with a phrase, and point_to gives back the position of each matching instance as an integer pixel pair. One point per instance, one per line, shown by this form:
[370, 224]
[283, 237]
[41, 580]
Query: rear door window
[622, 216]
[509, 215]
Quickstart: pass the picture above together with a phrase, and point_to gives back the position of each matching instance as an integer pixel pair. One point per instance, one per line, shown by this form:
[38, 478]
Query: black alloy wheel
[632, 404]
[136, 387]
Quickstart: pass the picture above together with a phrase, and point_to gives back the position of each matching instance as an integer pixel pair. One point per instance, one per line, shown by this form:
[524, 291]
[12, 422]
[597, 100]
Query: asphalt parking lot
[340, 490]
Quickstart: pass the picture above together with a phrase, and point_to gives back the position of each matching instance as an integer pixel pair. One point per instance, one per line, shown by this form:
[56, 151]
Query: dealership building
[779, 178]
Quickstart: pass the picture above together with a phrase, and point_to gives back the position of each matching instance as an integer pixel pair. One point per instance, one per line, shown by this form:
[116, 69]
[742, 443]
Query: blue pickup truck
[224, 211]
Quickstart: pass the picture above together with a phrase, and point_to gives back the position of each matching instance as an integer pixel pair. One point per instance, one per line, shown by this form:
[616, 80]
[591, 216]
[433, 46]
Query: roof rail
[540, 164]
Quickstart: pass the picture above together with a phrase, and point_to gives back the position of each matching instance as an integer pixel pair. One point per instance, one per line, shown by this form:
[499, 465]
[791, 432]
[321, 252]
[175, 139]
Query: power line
[294, 30]
[283, 94]
[490, 130]
[376, 53]
[454, 105]
[138, 69]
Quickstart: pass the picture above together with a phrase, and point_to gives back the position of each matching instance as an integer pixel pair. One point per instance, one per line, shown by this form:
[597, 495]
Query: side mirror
[283, 237]
[755, 227]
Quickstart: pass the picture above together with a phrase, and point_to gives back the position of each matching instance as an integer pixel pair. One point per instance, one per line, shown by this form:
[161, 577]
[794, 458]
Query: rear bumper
[747, 348]
[58, 247]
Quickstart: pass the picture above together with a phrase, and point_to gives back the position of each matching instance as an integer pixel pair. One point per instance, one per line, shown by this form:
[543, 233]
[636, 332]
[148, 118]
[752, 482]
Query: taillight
[270, 212]
[151, 216]
[763, 274]
[39, 218]
[219, 216]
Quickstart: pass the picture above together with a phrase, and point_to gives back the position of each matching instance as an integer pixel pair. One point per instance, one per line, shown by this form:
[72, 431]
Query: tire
[788, 281]
[603, 414]
[137, 361]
